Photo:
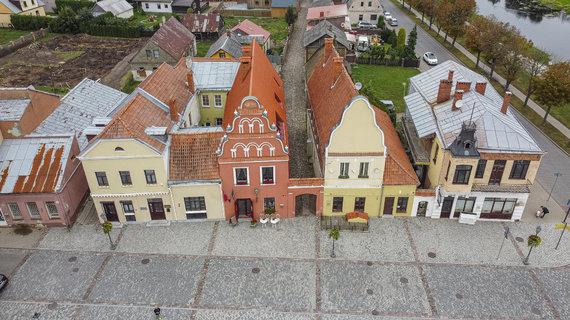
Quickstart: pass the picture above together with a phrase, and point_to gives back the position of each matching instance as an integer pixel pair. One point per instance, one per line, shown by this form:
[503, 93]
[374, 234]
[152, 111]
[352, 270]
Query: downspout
[381, 202]
[173, 204]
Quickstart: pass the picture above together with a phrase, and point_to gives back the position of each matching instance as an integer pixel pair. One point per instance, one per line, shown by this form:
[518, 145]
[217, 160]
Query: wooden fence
[407, 63]
[22, 42]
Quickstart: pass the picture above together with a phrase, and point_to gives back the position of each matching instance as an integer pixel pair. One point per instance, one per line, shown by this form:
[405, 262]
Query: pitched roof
[14, 6]
[325, 29]
[209, 22]
[33, 164]
[252, 29]
[283, 3]
[214, 74]
[333, 11]
[330, 95]
[173, 38]
[193, 156]
[495, 131]
[259, 79]
[116, 7]
[15, 101]
[228, 44]
[86, 101]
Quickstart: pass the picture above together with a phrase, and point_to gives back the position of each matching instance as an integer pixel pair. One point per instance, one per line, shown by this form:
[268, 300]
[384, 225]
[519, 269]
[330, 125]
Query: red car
[353, 32]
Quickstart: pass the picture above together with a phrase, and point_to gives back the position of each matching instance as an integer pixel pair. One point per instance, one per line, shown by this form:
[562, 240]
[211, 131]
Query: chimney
[190, 80]
[337, 67]
[444, 90]
[463, 85]
[245, 63]
[173, 112]
[480, 87]
[506, 102]
[229, 34]
[322, 14]
[458, 96]
[328, 46]
[246, 50]
[450, 75]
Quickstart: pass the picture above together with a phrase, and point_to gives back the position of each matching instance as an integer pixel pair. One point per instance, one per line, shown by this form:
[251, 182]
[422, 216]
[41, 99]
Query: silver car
[430, 58]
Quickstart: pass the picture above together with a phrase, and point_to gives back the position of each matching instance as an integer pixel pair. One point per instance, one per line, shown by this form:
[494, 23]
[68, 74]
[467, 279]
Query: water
[549, 33]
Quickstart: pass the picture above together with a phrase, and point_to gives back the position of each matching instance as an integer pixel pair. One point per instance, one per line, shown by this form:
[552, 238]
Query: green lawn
[203, 47]
[7, 35]
[128, 84]
[383, 83]
[276, 26]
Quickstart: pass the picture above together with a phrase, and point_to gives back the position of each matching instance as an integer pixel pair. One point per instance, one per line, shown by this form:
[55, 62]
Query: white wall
[153, 7]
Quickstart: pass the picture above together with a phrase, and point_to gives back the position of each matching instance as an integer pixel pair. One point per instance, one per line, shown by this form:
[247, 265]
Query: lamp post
[567, 212]
[525, 262]
[556, 174]
[404, 84]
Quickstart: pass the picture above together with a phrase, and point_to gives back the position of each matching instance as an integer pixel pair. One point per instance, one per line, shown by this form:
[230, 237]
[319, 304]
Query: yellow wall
[448, 184]
[434, 169]
[375, 171]
[211, 192]
[209, 114]
[399, 191]
[32, 11]
[139, 202]
[371, 205]
[217, 54]
[1, 138]
[530, 174]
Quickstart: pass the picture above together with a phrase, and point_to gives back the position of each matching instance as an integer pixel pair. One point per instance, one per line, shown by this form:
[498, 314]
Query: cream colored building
[25, 7]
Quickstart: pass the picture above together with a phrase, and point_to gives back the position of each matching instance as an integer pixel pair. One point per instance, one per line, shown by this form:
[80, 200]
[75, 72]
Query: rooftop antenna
[472, 110]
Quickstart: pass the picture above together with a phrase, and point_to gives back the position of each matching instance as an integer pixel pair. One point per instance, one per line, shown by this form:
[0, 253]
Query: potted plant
[253, 223]
[269, 211]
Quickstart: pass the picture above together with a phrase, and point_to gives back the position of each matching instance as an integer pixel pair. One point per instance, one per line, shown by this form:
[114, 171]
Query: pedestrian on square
[157, 312]
[544, 211]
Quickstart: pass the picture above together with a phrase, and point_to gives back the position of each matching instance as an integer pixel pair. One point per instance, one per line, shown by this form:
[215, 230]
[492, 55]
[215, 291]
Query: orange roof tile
[193, 156]
[168, 82]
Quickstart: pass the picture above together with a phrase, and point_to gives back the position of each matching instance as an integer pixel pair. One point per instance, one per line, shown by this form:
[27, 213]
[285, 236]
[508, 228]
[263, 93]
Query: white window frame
[204, 105]
[261, 176]
[11, 207]
[363, 174]
[50, 214]
[216, 105]
[235, 176]
[38, 216]
[346, 169]
[155, 53]
[195, 211]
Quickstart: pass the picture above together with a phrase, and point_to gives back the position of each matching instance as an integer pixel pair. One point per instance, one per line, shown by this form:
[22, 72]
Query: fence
[342, 223]
[22, 42]
[248, 13]
[407, 63]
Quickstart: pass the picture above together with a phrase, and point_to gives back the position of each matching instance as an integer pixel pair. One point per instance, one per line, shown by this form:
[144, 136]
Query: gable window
[217, 101]
[148, 54]
[15, 210]
[150, 176]
[205, 101]
[402, 205]
[435, 153]
[344, 166]
[373, 17]
[241, 177]
[102, 179]
[128, 210]
[195, 208]
[37, 12]
[25, 4]
[520, 167]
[222, 54]
[269, 203]
[155, 53]
[359, 204]
[33, 210]
[267, 175]
[480, 168]
[52, 209]
[337, 204]
[462, 174]
[165, 6]
[125, 178]
[363, 173]
[362, 4]
[219, 121]
[146, 5]
[33, 2]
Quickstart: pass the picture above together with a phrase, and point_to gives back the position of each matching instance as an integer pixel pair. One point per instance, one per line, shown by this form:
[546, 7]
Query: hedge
[25, 22]
[74, 4]
[114, 31]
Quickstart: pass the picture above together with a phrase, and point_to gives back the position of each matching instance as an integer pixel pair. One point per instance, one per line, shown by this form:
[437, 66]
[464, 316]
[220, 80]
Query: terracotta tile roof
[252, 29]
[209, 22]
[328, 103]
[355, 214]
[173, 38]
[258, 78]
[168, 82]
[193, 156]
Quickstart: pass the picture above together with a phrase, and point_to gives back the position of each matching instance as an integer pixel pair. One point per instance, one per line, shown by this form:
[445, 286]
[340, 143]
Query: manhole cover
[375, 312]
[255, 270]
[52, 305]
[369, 291]
[519, 239]
[535, 310]
[459, 296]
[72, 259]
[145, 261]
[431, 254]
[404, 280]
[369, 263]
[75, 269]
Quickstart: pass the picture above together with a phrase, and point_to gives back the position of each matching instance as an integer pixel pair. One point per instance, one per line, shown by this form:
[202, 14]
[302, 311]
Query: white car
[430, 58]
[393, 22]
[387, 16]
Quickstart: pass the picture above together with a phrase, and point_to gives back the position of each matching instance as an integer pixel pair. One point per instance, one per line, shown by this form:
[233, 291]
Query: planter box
[467, 218]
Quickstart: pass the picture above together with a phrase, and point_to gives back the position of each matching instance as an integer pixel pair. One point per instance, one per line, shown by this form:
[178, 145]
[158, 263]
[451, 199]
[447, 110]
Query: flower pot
[253, 225]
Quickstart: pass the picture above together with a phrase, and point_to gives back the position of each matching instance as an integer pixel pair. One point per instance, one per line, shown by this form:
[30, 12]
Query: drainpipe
[173, 204]
[381, 197]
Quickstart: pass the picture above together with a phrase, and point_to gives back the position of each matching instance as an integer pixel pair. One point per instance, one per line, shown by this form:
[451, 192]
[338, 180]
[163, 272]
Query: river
[549, 33]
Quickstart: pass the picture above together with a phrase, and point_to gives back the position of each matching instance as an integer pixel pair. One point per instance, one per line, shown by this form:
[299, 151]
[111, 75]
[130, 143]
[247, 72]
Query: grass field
[202, 47]
[383, 83]
[7, 35]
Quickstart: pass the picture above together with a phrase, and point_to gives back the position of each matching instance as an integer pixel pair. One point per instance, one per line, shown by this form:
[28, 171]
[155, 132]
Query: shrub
[75, 5]
[25, 22]
[190, 10]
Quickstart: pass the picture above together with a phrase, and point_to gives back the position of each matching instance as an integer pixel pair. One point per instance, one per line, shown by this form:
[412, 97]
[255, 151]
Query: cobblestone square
[555, 283]
[246, 315]
[23, 310]
[130, 313]
[79, 238]
[10, 259]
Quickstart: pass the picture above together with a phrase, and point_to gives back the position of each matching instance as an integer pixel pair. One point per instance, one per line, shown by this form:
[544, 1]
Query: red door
[156, 209]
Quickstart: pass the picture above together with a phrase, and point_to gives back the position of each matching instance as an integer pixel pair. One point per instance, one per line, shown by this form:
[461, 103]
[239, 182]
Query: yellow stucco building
[25, 7]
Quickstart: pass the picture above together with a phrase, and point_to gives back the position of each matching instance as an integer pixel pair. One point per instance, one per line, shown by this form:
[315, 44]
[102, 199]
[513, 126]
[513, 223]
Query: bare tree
[535, 64]
[553, 87]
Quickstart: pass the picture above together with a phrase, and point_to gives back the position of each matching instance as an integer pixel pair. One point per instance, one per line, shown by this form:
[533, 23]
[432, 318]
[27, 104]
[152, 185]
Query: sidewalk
[553, 121]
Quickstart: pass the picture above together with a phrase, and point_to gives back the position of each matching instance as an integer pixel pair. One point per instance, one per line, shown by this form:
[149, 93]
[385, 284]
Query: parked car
[3, 281]
[365, 25]
[393, 21]
[353, 32]
[363, 44]
[387, 16]
[430, 58]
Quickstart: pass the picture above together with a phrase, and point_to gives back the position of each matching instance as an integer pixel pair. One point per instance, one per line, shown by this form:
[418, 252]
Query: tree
[290, 16]
[393, 39]
[377, 52]
[381, 23]
[431, 7]
[107, 227]
[553, 87]
[474, 38]
[535, 64]
[515, 46]
[453, 14]
[334, 234]
[69, 21]
[493, 36]
[409, 49]
[401, 38]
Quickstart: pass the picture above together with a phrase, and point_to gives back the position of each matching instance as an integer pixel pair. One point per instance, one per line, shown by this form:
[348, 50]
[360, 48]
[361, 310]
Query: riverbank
[563, 5]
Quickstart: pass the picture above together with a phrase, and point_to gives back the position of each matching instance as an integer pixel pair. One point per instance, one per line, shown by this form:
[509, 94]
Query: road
[555, 161]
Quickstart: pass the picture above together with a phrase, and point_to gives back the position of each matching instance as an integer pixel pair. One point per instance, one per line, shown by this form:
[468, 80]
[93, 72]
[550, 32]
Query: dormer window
[119, 149]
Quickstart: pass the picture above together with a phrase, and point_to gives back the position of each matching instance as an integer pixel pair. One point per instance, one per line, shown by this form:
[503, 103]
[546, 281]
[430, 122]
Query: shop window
[359, 203]
[195, 208]
[402, 206]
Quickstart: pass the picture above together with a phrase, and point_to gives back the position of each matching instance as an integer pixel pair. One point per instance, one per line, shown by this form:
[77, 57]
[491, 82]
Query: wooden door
[388, 206]
[110, 211]
[156, 209]
[446, 207]
[244, 207]
[497, 173]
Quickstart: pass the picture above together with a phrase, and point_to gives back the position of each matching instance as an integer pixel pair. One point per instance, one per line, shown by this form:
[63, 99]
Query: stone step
[158, 223]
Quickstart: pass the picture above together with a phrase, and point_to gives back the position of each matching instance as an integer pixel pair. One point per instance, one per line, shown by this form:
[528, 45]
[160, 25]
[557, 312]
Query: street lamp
[404, 84]
[556, 174]
[567, 211]
[525, 262]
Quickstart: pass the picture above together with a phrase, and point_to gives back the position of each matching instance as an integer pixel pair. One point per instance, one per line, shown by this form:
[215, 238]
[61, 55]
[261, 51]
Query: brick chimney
[450, 75]
[190, 80]
[480, 87]
[337, 67]
[246, 50]
[444, 90]
[458, 96]
[328, 46]
[229, 34]
[506, 102]
[173, 112]
[463, 85]
[245, 64]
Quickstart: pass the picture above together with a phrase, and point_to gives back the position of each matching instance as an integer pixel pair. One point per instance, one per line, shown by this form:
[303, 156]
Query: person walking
[544, 211]
[157, 312]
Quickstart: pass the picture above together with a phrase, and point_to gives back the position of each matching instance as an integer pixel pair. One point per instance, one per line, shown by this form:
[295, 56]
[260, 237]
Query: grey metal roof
[214, 75]
[114, 6]
[325, 28]
[283, 3]
[10, 6]
[496, 132]
[86, 101]
[12, 110]
[229, 44]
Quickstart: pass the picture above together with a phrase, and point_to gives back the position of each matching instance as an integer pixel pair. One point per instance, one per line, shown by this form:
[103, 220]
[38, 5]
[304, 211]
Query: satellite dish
[459, 104]
[358, 85]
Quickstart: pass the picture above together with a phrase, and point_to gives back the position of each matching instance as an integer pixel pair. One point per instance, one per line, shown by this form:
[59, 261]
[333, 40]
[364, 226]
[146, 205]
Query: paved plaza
[403, 268]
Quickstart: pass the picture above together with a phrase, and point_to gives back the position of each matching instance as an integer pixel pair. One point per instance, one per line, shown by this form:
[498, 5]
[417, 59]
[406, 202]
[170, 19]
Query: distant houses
[119, 8]
[208, 26]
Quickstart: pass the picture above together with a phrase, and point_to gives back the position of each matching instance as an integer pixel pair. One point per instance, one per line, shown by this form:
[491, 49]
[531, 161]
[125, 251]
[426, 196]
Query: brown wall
[40, 107]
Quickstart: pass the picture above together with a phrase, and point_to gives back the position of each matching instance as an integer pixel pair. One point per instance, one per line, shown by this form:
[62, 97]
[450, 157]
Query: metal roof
[496, 132]
[325, 28]
[283, 3]
[85, 102]
[12, 110]
[11, 6]
[114, 6]
[230, 44]
[214, 75]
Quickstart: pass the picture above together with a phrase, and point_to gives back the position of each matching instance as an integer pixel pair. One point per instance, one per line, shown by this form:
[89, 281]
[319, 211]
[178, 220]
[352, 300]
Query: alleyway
[295, 98]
